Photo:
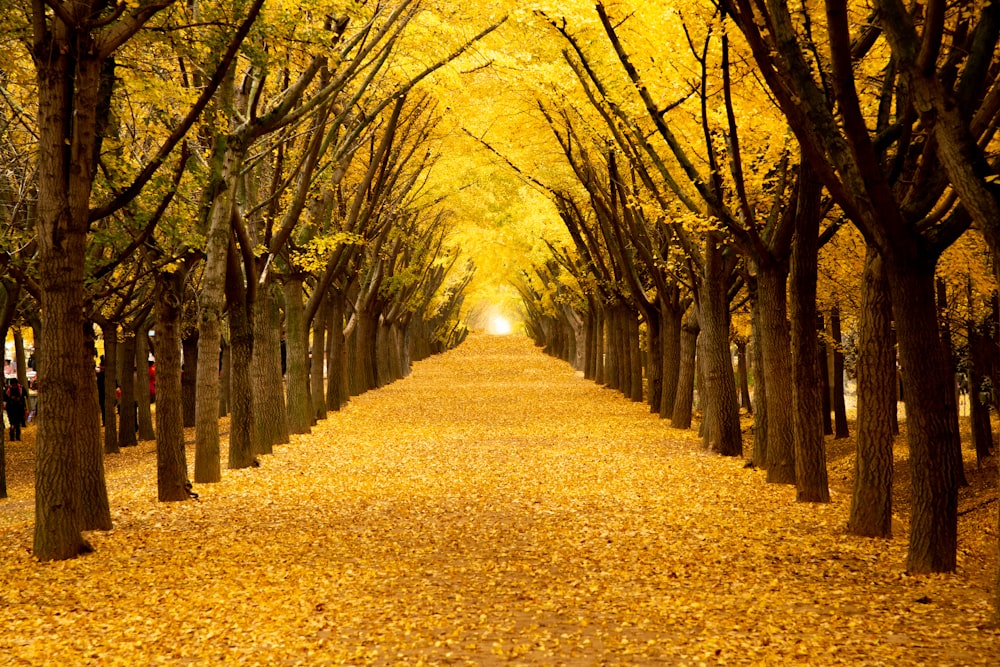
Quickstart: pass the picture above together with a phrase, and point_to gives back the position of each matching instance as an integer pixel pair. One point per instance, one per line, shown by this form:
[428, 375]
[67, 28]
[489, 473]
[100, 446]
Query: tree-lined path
[492, 508]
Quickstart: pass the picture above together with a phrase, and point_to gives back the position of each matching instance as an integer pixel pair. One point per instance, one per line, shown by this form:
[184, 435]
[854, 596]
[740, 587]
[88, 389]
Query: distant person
[16, 405]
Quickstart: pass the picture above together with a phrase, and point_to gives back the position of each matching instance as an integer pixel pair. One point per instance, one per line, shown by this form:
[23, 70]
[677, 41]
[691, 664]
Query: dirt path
[494, 508]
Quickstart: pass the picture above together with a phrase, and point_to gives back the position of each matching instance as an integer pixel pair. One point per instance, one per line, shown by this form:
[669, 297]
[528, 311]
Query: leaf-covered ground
[494, 508]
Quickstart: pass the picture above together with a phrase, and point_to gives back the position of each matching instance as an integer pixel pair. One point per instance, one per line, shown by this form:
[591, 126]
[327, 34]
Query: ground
[493, 508]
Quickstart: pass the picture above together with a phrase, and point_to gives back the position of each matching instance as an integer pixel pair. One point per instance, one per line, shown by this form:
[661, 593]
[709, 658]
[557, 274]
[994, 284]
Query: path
[494, 508]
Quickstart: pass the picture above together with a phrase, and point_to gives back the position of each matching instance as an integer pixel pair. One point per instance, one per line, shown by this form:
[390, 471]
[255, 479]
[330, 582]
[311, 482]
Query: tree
[72, 43]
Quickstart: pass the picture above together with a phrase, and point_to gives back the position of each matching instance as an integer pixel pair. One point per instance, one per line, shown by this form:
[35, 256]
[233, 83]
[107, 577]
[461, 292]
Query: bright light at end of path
[499, 326]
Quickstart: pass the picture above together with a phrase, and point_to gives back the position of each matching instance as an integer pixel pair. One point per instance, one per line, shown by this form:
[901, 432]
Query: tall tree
[72, 46]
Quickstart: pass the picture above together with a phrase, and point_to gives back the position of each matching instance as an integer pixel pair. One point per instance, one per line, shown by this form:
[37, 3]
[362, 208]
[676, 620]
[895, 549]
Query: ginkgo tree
[72, 46]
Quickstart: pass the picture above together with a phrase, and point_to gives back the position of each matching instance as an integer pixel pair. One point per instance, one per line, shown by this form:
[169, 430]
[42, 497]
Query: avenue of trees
[245, 180]
[717, 157]
[728, 174]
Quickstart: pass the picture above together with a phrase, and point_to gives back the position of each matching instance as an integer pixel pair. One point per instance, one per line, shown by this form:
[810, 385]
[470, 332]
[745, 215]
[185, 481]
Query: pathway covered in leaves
[494, 508]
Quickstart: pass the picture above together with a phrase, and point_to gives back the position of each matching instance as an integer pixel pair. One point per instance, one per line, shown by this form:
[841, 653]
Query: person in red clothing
[152, 382]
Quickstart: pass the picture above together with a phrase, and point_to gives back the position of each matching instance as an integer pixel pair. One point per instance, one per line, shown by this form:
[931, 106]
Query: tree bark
[672, 318]
[212, 303]
[316, 380]
[684, 400]
[270, 416]
[934, 522]
[979, 402]
[775, 344]
[171, 457]
[944, 327]
[337, 392]
[126, 405]
[225, 378]
[65, 171]
[297, 355]
[364, 341]
[811, 482]
[720, 406]
[760, 456]
[95, 507]
[189, 381]
[871, 501]
[242, 453]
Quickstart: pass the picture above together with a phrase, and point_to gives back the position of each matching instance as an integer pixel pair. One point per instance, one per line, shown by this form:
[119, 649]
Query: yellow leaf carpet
[493, 508]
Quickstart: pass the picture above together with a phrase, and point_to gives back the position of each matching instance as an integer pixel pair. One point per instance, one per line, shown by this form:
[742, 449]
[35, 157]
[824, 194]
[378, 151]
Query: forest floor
[493, 508]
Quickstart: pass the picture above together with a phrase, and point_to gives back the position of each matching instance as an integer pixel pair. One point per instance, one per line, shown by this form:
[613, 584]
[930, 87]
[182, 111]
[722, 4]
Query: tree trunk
[775, 344]
[270, 415]
[743, 375]
[760, 456]
[212, 303]
[316, 385]
[108, 403]
[839, 405]
[95, 506]
[684, 396]
[364, 341]
[241, 400]
[171, 458]
[337, 392]
[384, 374]
[934, 521]
[189, 382]
[590, 354]
[811, 482]
[297, 346]
[672, 318]
[225, 378]
[65, 84]
[126, 405]
[143, 388]
[871, 502]
[979, 401]
[401, 348]
[944, 327]
[351, 358]
[600, 347]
